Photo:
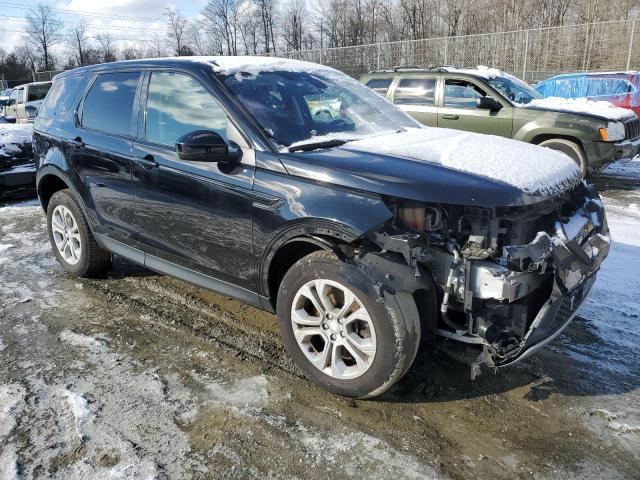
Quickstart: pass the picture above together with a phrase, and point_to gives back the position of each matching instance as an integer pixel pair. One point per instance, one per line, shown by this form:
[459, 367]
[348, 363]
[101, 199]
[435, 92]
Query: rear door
[99, 146]
[197, 215]
[460, 111]
[417, 97]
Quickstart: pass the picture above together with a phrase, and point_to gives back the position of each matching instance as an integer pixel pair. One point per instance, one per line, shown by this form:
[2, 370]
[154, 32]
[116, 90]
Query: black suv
[362, 229]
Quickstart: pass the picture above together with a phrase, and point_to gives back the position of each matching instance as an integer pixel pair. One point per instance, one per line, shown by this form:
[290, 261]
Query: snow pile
[598, 108]
[12, 136]
[534, 170]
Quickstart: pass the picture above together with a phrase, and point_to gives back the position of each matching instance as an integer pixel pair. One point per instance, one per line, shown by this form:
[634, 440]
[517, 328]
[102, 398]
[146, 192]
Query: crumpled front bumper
[570, 259]
[575, 273]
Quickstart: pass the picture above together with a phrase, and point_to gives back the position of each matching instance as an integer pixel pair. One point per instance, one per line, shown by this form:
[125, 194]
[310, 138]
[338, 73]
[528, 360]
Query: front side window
[17, 95]
[37, 92]
[314, 105]
[108, 105]
[415, 91]
[461, 94]
[178, 104]
[379, 85]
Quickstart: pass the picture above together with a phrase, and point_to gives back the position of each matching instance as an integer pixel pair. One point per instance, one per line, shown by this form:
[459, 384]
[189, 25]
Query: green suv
[486, 100]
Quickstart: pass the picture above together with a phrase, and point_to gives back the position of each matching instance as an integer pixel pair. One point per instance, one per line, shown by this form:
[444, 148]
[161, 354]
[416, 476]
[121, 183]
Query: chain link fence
[530, 54]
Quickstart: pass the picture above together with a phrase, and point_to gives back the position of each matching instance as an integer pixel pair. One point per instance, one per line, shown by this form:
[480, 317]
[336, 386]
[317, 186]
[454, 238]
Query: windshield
[38, 92]
[314, 106]
[514, 89]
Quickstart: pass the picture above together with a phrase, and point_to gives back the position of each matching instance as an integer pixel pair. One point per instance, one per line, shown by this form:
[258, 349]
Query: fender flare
[55, 171]
[326, 234]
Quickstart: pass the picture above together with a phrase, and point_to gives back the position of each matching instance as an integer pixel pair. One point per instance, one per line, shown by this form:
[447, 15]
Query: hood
[442, 166]
[581, 106]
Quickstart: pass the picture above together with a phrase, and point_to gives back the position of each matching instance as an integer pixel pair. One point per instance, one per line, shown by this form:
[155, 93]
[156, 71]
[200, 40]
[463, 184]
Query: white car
[25, 101]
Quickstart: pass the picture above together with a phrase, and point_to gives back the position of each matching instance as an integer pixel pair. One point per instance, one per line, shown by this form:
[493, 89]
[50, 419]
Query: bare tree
[106, 47]
[221, 15]
[44, 30]
[28, 56]
[77, 40]
[176, 30]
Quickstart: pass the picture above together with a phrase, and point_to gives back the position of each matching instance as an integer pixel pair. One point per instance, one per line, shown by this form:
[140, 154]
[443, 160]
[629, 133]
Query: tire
[81, 255]
[389, 330]
[570, 148]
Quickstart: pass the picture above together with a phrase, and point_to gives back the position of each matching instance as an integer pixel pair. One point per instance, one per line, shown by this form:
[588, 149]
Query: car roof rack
[430, 68]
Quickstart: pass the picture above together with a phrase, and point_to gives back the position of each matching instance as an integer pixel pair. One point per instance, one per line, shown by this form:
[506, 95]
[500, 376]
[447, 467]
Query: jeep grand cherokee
[362, 230]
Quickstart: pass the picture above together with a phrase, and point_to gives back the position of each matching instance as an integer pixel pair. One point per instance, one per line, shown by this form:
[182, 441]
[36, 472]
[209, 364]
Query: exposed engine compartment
[498, 271]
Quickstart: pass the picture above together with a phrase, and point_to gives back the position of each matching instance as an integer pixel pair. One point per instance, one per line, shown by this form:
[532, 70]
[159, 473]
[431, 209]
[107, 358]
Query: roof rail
[430, 68]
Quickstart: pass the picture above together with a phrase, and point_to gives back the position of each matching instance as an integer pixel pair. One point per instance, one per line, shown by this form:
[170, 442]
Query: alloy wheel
[333, 329]
[66, 234]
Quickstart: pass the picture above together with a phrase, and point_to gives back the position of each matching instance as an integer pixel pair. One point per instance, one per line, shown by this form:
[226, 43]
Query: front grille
[632, 129]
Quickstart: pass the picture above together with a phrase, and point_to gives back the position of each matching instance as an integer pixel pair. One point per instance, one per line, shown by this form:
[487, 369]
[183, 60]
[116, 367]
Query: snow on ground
[493, 157]
[598, 108]
[12, 135]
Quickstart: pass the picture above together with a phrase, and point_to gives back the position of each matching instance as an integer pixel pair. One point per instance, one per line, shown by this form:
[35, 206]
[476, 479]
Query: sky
[122, 19]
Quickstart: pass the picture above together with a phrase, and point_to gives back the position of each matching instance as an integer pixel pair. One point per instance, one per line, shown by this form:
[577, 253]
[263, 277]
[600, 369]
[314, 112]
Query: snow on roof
[481, 71]
[534, 170]
[598, 108]
[254, 64]
[12, 135]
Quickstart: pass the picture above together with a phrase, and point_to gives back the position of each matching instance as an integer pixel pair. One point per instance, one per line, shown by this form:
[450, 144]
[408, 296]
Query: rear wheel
[570, 148]
[73, 243]
[341, 336]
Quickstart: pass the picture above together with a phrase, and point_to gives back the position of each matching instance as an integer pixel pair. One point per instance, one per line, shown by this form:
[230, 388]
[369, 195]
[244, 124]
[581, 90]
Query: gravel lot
[141, 376]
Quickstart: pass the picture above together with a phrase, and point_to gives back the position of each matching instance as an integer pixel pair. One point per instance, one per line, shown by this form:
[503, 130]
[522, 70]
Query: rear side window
[108, 105]
[415, 91]
[379, 85]
[59, 95]
[178, 104]
[37, 92]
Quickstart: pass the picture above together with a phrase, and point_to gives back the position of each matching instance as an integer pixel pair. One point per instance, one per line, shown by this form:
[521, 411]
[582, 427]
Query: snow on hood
[534, 170]
[599, 108]
[12, 135]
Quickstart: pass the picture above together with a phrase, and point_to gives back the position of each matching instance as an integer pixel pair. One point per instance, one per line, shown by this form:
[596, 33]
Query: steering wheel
[339, 125]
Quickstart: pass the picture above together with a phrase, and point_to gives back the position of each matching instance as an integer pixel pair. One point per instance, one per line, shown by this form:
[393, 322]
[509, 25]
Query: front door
[460, 111]
[197, 215]
[417, 97]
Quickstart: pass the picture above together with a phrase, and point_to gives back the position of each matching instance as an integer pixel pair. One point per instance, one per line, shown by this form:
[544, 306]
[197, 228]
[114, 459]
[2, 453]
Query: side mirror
[489, 103]
[206, 146]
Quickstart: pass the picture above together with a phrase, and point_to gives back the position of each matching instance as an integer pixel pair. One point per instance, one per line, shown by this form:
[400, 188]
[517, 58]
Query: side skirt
[169, 268]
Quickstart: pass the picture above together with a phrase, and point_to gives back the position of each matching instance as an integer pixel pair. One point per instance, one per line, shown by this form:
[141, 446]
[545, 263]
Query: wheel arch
[295, 243]
[50, 180]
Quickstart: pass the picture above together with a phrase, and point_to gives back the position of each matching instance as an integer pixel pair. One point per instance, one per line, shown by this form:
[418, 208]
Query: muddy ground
[141, 376]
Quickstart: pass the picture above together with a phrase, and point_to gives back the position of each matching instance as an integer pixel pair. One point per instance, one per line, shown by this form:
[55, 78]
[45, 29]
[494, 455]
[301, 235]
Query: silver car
[25, 100]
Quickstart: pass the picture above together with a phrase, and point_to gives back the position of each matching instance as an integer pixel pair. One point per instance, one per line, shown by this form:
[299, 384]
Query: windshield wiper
[305, 147]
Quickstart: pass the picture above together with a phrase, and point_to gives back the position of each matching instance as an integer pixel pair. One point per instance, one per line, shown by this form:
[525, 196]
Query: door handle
[77, 143]
[148, 162]
[450, 116]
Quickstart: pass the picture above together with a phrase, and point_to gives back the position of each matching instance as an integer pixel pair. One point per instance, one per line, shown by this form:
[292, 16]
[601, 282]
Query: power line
[94, 26]
[82, 12]
[114, 39]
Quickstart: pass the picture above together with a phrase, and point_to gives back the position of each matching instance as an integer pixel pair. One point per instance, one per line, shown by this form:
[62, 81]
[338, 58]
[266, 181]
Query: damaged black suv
[296, 189]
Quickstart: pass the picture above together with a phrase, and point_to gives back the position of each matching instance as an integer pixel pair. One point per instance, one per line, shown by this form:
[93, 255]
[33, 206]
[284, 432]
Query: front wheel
[339, 335]
[572, 149]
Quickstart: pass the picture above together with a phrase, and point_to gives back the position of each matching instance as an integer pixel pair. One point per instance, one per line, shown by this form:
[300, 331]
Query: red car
[620, 88]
